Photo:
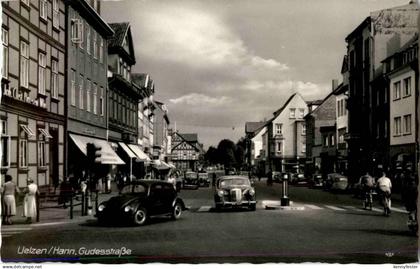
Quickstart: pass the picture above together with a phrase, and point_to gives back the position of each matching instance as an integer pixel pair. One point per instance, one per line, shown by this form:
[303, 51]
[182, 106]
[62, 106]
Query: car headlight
[220, 193]
[101, 207]
[251, 192]
[127, 208]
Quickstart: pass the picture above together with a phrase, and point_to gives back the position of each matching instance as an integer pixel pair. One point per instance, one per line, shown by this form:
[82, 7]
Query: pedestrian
[9, 201]
[409, 190]
[213, 182]
[270, 178]
[66, 190]
[29, 205]
[384, 187]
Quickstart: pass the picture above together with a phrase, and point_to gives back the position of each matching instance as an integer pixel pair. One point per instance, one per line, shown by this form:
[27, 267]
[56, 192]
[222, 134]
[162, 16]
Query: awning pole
[131, 168]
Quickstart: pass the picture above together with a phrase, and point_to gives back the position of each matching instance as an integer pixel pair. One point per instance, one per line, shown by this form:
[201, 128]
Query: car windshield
[233, 182]
[191, 175]
[134, 188]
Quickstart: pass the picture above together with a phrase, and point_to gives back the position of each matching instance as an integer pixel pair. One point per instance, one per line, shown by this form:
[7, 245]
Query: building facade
[286, 136]
[160, 132]
[32, 110]
[186, 151]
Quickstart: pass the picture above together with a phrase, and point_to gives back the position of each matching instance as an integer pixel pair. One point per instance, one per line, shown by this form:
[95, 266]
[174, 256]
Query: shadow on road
[392, 232]
[115, 224]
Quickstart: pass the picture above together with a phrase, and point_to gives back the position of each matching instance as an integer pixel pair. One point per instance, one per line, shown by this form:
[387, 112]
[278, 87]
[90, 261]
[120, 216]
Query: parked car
[203, 179]
[191, 180]
[336, 182]
[316, 181]
[141, 200]
[234, 191]
[299, 179]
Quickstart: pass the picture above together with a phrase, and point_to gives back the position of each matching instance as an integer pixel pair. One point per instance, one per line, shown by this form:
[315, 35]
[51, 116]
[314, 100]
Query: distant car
[336, 182]
[316, 181]
[277, 176]
[203, 179]
[299, 179]
[234, 191]
[191, 180]
[141, 200]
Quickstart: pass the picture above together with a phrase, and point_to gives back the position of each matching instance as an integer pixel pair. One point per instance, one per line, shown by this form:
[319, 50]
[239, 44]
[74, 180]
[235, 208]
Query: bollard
[285, 201]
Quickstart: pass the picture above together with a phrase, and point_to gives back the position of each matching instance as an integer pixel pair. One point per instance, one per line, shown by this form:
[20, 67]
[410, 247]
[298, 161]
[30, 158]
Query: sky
[220, 63]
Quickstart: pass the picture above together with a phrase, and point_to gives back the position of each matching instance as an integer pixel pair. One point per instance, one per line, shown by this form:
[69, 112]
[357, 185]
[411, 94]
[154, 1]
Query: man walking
[384, 187]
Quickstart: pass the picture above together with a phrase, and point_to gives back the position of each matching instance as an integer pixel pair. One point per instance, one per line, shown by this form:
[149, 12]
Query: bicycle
[368, 201]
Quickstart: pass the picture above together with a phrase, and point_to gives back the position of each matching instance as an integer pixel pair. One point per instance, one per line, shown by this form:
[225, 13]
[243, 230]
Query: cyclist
[367, 183]
[384, 187]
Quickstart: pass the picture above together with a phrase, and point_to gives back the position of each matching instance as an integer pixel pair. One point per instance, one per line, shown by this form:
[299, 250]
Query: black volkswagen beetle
[140, 200]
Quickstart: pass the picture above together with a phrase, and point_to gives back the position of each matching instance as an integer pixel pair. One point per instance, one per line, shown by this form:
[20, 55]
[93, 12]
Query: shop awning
[160, 165]
[127, 150]
[108, 155]
[139, 153]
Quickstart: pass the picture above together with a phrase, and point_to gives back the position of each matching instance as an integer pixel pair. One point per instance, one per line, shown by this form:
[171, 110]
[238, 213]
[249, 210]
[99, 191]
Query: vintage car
[234, 191]
[299, 179]
[203, 179]
[335, 182]
[190, 180]
[141, 200]
[316, 181]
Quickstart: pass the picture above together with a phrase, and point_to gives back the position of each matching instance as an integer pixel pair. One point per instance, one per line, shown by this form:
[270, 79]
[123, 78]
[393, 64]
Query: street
[318, 227]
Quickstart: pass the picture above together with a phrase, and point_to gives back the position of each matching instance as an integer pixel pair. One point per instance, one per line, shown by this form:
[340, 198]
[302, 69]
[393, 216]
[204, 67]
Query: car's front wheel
[140, 216]
[176, 211]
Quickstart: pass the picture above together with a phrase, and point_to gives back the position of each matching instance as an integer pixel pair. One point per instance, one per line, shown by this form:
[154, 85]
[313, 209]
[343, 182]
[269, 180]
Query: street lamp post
[285, 201]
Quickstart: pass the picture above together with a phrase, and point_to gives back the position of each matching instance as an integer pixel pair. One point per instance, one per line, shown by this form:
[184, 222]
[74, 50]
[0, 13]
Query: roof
[189, 137]
[278, 112]
[410, 43]
[314, 102]
[251, 127]
[140, 79]
[358, 29]
[120, 30]
[323, 100]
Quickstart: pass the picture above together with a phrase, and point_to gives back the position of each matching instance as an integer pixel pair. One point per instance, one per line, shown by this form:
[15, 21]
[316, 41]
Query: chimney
[334, 84]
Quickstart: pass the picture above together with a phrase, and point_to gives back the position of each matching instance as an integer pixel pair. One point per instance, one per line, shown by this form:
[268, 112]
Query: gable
[184, 146]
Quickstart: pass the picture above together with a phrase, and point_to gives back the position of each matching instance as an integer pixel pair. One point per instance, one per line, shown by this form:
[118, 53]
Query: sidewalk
[51, 213]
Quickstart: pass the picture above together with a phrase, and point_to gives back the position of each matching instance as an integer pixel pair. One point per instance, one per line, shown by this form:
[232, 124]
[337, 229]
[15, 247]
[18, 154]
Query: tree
[210, 157]
[226, 153]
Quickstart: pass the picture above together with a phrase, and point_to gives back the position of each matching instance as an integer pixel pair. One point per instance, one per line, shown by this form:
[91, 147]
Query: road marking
[204, 208]
[313, 206]
[335, 208]
[353, 208]
[377, 209]
[4, 229]
[398, 210]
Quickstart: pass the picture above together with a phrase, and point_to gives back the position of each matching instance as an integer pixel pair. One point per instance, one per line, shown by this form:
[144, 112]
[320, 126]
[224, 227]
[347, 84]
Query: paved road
[324, 227]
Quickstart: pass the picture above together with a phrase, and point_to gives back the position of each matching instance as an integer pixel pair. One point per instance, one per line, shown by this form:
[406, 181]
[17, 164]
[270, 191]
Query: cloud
[195, 99]
[202, 40]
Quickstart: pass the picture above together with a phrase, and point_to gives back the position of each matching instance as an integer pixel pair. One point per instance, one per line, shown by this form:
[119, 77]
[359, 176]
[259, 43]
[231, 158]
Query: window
[95, 96]
[43, 9]
[397, 90]
[385, 96]
[77, 32]
[407, 124]
[339, 108]
[292, 113]
[56, 14]
[332, 139]
[54, 78]
[378, 98]
[397, 126]
[23, 148]
[42, 64]
[87, 39]
[303, 148]
[88, 88]
[41, 149]
[378, 126]
[5, 145]
[303, 129]
[407, 86]
[73, 88]
[101, 49]
[279, 147]
[301, 113]
[385, 128]
[95, 46]
[24, 64]
[326, 140]
[101, 101]
[278, 128]
[81, 95]
[5, 42]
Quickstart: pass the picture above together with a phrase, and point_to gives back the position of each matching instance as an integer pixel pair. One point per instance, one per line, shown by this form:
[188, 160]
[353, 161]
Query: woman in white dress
[9, 191]
[29, 208]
